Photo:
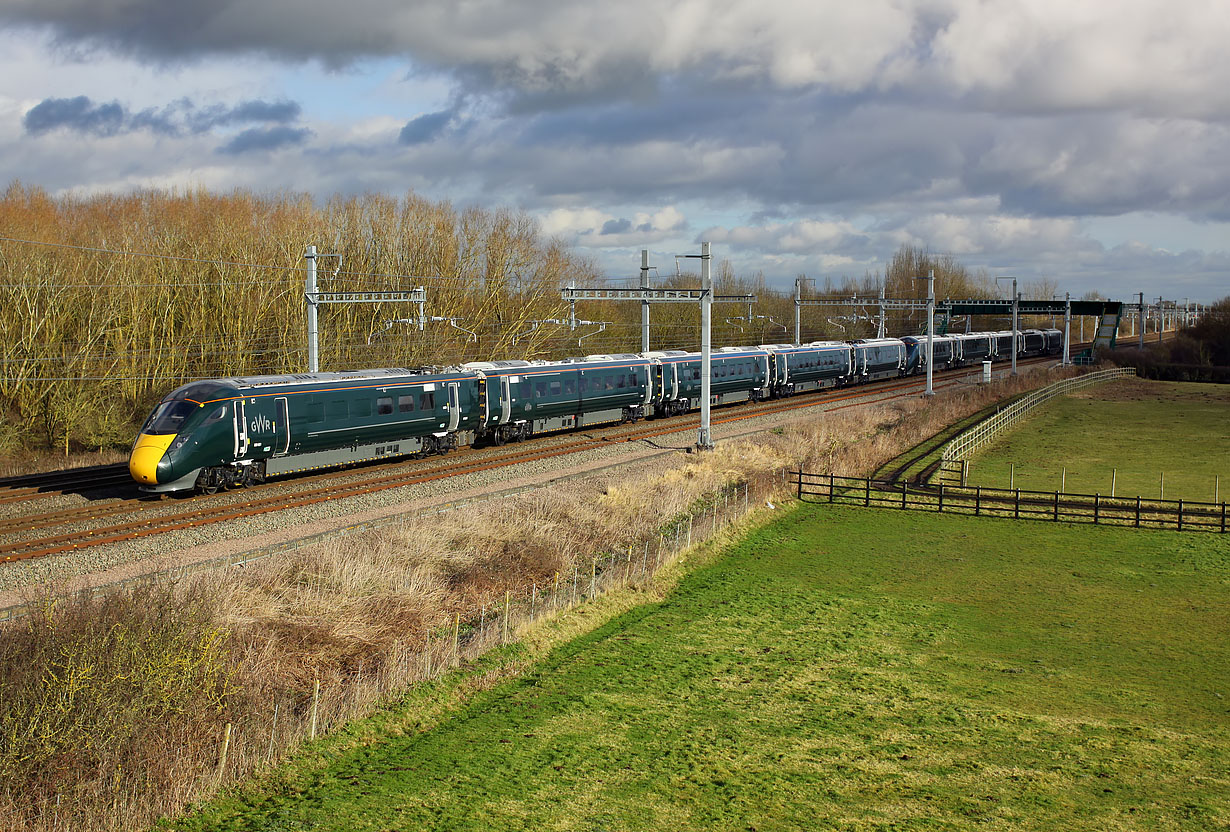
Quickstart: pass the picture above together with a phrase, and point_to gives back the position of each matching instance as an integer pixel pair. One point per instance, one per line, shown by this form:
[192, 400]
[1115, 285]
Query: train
[234, 432]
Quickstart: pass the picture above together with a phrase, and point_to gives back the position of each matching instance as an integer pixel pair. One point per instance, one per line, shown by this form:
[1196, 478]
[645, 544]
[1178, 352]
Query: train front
[178, 440]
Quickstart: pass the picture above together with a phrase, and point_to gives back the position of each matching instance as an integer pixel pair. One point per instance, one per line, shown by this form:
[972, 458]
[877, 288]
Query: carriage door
[454, 405]
[675, 380]
[241, 430]
[281, 427]
[505, 400]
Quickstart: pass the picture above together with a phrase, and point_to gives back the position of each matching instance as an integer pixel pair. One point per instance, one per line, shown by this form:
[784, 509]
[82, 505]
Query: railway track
[72, 480]
[152, 517]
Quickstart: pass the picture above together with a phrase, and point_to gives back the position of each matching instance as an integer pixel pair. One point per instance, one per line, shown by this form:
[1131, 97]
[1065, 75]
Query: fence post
[315, 708]
[226, 746]
[903, 494]
[507, 605]
[273, 732]
[867, 492]
[1097, 503]
[1016, 510]
[1223, 518]
[1137, 512]
[1056, 506]
[977, 500]
[1180, 515]
[941, 498]
[830, 487]
[799, 474]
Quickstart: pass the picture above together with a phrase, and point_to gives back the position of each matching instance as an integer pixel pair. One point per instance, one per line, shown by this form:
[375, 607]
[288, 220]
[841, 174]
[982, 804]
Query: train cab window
[361, 407]
[556, 387]
[540, 389]
[384, 406]
[570, 386]
[316, 412]
[338, 410]
[427, 401]
[218, 415]
[168, 417]
[405, 404]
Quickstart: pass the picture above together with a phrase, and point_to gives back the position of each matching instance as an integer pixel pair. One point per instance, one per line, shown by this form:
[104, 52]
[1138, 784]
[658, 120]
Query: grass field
[840, 668]
[1143, 429]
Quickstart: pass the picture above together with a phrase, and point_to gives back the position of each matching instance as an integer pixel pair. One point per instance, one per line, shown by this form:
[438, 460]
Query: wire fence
[253, 741]
[952, 466]
[1017, 503]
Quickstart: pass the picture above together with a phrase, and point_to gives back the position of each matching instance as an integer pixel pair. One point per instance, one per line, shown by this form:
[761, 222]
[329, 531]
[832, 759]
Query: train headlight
[177, 442]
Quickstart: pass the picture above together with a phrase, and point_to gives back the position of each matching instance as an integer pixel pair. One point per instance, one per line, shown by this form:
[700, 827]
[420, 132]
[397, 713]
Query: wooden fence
[1017, 503]
[959, 449]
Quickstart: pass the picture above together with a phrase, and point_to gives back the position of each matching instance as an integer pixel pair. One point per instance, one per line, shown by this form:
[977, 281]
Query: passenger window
[427, 401]
[540, 389]
[622, 381]
[361, 408]
[696, 375]
[384, 406]
[405, 404]
[609, 383]
[556, 388]
[339, 410]
[570, 386]
[315, 412]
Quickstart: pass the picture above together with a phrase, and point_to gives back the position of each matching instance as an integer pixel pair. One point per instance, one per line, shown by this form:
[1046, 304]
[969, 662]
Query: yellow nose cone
[143, 464]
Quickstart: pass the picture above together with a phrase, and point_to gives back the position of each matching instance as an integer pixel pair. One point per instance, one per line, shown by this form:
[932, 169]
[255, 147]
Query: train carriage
[1004, 345]
[876, 358]
[975, 347]
[1033, 342]
[946, 352]
[239, 431]
[1054, 341]
[522, 398]
[737, 374]
[813, 366]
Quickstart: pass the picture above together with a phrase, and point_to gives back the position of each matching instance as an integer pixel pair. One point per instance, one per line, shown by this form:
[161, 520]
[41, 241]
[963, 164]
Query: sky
[1082, 141]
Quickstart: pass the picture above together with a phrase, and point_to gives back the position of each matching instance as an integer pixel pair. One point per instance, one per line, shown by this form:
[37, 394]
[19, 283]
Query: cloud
[82, 115]
[424, 128]
[1144, 56]
[78, 114]
[266, 138]
[595, 228]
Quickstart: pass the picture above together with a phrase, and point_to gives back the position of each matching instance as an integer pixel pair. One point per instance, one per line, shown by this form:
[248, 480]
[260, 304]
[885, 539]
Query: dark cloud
[80, 114]
[180, 118]
[620, 226]
[265, 138]
[425, 127]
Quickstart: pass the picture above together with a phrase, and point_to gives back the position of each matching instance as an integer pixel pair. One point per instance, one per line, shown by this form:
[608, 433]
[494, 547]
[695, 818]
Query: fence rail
[960, 448]
[1055, 506]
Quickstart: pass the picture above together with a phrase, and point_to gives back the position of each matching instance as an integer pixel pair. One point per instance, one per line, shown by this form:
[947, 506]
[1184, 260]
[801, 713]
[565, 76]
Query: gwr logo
[261, 424]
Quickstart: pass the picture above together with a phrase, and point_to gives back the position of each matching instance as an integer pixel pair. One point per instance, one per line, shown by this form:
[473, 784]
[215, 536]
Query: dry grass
[117, 707]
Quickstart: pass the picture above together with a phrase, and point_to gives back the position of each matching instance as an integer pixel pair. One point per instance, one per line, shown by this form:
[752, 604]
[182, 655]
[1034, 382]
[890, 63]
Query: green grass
[1143, 429]
[842, 668]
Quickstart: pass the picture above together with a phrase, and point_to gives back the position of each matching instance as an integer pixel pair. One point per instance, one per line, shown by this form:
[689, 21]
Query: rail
[960, 448]
[1017, 503]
